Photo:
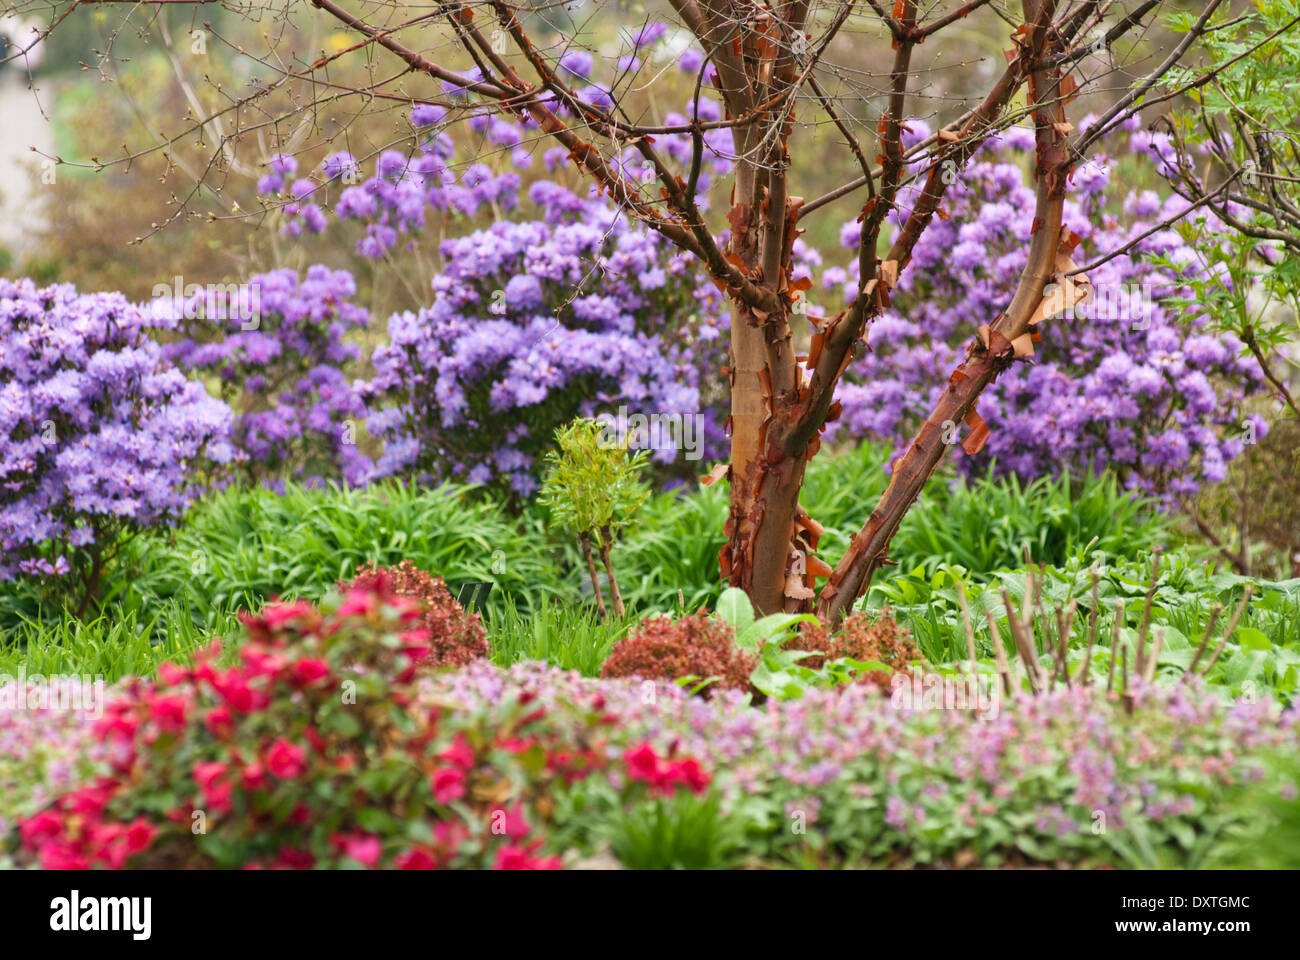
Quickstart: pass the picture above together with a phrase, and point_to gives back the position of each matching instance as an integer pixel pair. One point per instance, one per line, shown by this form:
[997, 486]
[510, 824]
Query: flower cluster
[663, 775]
[1122, 380]
[533, 323]
[99, 435]
[314, 750]
[510, 768]
[276, 345]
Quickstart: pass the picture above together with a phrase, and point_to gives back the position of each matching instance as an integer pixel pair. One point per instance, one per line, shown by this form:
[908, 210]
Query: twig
[999, 654]
[970, 633]
[1205, 640]
[1114, 643]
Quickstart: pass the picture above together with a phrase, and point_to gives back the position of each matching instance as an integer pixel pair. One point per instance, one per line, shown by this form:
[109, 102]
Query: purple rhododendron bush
[100, 437]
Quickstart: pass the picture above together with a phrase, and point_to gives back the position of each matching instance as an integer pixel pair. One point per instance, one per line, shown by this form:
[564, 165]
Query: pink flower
[417, 858]
[308, 671]
[459, 753]
[170, 712]
[447, 784]
[286, 760]
[364, 848]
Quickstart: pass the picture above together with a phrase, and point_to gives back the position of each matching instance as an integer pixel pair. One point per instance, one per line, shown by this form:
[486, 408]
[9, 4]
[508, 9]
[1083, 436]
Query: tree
[765, 61]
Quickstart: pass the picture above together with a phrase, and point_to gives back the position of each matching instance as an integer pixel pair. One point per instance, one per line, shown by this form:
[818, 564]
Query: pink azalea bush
[314, 750]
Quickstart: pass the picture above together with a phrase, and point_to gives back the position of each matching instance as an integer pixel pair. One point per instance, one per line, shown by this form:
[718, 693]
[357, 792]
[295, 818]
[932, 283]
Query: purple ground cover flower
[1048, 777]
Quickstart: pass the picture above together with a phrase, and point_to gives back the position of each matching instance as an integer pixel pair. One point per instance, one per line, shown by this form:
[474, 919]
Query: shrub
[593, 487]
[863, 636]
[310, 751]
[534, 321]
[455, 637]
[275, 348]
[1125, 381]
[695, 646]
[100, 437]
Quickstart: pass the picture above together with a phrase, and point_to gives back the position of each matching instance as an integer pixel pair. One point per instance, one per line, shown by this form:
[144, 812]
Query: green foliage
[593, 483]
[1261, 658]
[112, 645]
[681, 832]
[1246, 121]
[1267, 833]
[575, 638]
[981, 525]
[241, 547]
[777, 673]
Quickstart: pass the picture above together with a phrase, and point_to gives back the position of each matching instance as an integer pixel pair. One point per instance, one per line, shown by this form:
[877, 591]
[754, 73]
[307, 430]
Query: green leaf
[735, 608]
[1252, 639]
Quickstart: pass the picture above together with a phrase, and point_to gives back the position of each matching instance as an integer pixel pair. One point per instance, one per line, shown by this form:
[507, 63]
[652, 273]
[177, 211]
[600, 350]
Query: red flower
[56, 855]
[695, 777]
[278, 614]
[139, 834]
[291, 858]
[170, 712]
[642, 763]
[314, 738]
[521, 858]
[417, 858]
[206, 774]
[308, 671]
[237, 694]
[219, 721]
[459, 753]
[447, 784]
[286, 760]
[88, 802]
[509, 821]
[116, 723]
[258, 662]
[170, 674]
[253, 776]
[43, 827]
[356, 602]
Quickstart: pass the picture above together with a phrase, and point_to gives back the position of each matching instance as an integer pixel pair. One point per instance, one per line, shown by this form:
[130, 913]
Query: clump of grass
[111, 646]
[568, 636]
